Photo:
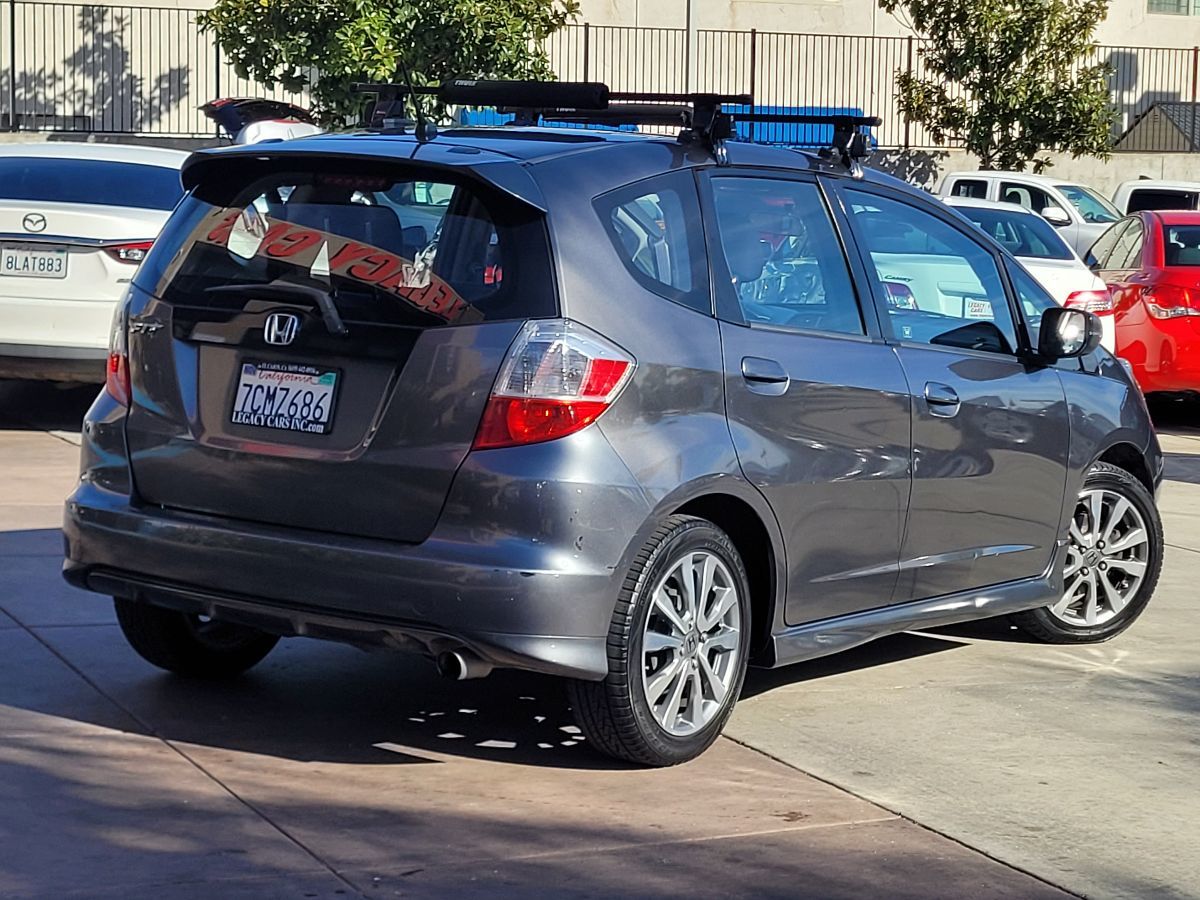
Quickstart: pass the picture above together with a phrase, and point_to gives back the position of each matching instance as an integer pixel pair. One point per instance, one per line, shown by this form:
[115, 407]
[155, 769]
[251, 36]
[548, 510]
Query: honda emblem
[281, 328]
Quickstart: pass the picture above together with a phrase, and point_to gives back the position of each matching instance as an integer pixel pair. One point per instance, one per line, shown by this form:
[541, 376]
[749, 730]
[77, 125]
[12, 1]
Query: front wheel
[677, 649]
[1114, 557]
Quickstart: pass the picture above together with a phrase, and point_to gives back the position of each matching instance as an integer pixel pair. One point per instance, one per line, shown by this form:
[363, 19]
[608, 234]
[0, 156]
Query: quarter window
[1101, 253]
[940, 286]
[783, 256]
[1128, 252]
[654, 226]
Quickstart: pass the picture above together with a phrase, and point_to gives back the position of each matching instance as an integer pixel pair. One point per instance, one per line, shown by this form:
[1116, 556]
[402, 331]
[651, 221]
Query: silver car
[636, 411]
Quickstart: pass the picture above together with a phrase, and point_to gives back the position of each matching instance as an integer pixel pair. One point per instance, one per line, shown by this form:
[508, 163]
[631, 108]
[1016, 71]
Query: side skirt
[814, 639]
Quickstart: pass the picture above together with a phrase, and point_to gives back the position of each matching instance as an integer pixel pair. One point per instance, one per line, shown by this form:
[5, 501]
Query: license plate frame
[12, 251]
[282, 405]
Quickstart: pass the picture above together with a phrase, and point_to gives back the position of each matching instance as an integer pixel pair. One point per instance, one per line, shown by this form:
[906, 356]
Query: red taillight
[116, 375]
[1170, 301]
[558, 378]
[1098, 302]
[132, 253]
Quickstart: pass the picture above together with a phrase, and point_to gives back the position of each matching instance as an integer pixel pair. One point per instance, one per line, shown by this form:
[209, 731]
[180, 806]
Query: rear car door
[990, 432]
[816, 401]
[313, 342]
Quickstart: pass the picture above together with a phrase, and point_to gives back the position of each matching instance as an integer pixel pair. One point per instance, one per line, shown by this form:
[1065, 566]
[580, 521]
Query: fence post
[753, 82]
[216, 79]
[1195, 72]
[12, 65]
[587, 50]
[909, 71]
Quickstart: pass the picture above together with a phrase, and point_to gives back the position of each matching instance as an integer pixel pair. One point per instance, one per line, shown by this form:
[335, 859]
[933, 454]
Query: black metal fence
[146, 70]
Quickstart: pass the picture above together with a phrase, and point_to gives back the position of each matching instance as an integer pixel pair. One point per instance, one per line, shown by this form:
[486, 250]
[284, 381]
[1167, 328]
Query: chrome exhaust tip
[460, 665]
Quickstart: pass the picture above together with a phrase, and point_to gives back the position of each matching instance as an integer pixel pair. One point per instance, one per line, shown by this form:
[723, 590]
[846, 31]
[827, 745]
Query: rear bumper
[430, 597]
[52, 363]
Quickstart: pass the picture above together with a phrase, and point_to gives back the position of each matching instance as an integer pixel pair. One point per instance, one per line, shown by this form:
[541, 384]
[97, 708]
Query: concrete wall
[927, 168]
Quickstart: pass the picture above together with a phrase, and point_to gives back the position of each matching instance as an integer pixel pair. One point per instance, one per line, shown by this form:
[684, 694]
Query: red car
[1151, 263]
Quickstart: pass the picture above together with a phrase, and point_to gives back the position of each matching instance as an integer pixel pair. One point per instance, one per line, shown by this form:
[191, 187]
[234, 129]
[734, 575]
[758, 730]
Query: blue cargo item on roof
[792, 134]
[487, 117]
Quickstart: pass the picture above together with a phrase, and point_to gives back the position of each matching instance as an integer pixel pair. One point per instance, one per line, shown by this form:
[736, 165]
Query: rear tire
[185, 644]
[1113, 563]
[676, 655]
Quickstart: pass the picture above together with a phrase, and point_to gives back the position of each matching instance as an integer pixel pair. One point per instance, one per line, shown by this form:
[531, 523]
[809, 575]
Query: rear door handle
[764, 376]
[941, 398]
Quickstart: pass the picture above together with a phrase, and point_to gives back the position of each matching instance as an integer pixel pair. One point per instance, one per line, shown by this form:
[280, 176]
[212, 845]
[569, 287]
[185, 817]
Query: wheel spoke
[726, 597]
[1096, 513]
[1116, 600]
[726, 639]
[1132, 538]
[696, 700]
[656, 642]
[666, 606]
[1073, 568]
[1133, 566]
[707, 572]
[671, 713]
[1091, 607]
[716, 686]
[663, 679]
[1115, 515]
[1076, 534]
[687, 576]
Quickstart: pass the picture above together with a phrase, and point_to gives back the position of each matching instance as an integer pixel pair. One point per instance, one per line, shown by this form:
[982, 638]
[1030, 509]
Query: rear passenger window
[655, 227]
[970, 187]
[784, 258]
[940, 286]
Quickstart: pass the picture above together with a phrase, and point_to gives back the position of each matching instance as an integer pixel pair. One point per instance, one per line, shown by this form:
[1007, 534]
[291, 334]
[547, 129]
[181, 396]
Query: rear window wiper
[289, 290]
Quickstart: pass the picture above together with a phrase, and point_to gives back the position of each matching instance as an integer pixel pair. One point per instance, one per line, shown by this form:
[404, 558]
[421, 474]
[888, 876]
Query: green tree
[325, 45]
[1009, 78]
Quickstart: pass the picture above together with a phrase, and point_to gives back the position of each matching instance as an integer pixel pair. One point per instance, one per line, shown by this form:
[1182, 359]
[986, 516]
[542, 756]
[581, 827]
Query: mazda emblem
[281, 328]
[34, 222]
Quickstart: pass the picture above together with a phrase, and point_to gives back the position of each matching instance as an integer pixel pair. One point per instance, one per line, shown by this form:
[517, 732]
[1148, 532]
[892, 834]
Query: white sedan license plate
[25, 261]
[285, 396]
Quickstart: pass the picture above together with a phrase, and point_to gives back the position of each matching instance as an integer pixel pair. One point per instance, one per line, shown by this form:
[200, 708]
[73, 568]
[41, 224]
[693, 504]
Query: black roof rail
[701, 116]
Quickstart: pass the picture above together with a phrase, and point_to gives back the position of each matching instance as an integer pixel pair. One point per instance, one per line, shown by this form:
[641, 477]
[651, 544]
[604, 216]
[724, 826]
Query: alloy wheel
[691, 642]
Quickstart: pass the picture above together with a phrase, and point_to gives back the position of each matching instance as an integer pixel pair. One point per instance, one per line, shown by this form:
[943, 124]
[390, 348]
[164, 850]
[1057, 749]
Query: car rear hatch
[318, 337]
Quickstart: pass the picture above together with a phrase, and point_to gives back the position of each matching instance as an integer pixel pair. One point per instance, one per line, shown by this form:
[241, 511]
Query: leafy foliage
[325, 45]
[1009, 78]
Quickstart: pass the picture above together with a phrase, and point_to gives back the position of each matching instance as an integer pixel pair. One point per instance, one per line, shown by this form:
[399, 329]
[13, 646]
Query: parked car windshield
[1021, 233]
[1090, 205]
[1181, 245]
[92, 181]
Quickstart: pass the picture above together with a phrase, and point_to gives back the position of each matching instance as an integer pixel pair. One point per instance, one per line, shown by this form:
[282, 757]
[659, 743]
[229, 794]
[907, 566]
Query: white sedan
[1045, 255]
[75, 221]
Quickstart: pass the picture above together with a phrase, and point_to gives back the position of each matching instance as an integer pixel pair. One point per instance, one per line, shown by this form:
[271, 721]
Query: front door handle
[941, 399]
[764, 376]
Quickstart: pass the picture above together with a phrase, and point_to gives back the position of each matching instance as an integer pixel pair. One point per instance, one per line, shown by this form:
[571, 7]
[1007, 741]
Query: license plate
[33, 262]
[285, 397]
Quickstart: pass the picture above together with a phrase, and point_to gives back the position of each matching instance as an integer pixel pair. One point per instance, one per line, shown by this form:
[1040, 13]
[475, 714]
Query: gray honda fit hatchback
[633, 410]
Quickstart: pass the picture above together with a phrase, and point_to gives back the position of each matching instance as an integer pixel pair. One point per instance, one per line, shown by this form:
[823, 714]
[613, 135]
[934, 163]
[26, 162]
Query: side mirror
[1068, 333]
[1056, 216]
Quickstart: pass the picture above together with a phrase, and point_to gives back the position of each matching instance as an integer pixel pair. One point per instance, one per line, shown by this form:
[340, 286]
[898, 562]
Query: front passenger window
[943, 289]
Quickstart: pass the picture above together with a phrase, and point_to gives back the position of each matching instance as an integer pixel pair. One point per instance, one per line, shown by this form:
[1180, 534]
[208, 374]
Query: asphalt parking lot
[962, 763]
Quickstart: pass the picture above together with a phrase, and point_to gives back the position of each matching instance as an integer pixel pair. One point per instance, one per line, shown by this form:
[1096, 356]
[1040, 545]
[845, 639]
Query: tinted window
[1021, 234]
[1128, 251]
[783, 255]
[387, 246]
[89, 181]
[1102, 250]
[970, 187]
[1146, 198]
[1091, 206]
[1181, 245]
[655, 228]
[1026, 195]
[940, 286]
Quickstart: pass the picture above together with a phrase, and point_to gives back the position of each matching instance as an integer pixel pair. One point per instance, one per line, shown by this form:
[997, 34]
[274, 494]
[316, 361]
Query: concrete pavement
[329, 772]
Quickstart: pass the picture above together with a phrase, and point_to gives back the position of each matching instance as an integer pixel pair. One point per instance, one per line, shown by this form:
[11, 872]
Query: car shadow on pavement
[44, 406]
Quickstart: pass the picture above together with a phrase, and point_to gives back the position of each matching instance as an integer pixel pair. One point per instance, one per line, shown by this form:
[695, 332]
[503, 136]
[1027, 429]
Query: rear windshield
[1157, 198]
[90, 181]
[390, 246]
[1181, 246]
[1022, 234]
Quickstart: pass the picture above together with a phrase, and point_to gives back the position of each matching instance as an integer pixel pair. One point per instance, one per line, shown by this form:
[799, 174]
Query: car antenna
[425, 131]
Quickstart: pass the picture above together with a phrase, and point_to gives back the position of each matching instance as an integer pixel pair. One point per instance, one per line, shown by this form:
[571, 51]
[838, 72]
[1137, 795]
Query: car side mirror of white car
[1056, 216]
